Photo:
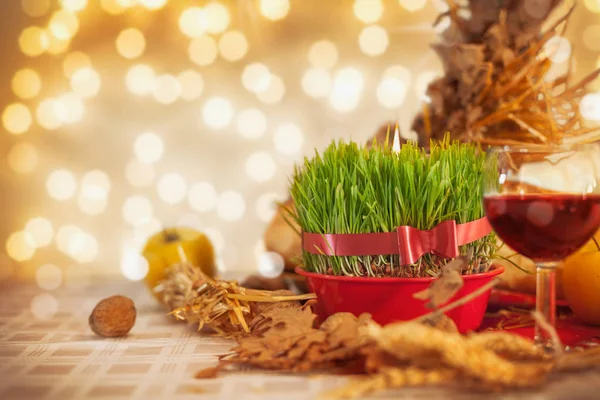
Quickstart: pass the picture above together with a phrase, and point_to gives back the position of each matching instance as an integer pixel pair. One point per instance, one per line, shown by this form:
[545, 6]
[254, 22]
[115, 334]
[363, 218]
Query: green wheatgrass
[352, 189]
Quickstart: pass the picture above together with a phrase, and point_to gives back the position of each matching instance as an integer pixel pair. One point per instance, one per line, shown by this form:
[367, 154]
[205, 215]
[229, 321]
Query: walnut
[113, 317]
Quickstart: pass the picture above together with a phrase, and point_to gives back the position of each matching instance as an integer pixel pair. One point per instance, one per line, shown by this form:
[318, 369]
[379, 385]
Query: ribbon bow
[410, 243]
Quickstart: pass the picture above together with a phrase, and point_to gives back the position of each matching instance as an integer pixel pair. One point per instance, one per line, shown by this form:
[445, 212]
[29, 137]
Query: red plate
[571, 331]
[506, 298]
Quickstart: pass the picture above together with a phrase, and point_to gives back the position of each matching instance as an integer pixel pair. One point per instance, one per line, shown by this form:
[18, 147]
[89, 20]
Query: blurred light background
[120, 117]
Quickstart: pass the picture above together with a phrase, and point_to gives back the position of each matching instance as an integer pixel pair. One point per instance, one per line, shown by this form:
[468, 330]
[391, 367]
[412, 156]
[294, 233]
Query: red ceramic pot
[391, 299]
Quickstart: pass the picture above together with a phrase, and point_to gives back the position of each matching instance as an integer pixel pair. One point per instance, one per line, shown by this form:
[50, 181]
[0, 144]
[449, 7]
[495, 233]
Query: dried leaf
[409, 341]
[446, 286]
[224, 306]
[208, 373]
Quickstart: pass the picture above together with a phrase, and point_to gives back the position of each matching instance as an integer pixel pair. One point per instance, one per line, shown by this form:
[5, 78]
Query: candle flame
[396, 142]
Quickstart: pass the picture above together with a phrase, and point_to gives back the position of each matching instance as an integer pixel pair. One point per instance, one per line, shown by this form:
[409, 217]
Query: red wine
[544, 227]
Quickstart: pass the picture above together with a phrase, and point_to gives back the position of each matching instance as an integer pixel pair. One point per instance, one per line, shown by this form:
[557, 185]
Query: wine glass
[544, 203]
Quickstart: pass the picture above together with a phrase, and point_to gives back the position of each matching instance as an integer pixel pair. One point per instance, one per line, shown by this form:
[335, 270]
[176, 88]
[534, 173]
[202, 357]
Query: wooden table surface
[48, 352]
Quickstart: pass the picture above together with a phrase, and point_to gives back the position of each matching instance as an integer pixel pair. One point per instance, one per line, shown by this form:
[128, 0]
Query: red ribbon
[410, 243]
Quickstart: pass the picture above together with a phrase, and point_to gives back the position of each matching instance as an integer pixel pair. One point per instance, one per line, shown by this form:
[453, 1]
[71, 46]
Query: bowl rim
[496, 269]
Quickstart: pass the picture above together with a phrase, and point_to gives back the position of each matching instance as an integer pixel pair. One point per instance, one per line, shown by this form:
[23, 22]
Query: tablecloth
[48, 352]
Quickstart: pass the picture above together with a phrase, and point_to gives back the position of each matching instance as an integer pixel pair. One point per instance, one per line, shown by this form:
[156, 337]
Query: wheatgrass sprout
[352, 189]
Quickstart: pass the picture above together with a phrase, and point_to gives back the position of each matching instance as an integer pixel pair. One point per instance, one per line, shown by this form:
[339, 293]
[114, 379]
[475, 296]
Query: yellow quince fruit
[175, 245]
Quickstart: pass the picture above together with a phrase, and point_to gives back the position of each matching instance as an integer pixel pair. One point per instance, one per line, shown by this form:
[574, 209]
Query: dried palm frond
[221, 305]
[496, 89]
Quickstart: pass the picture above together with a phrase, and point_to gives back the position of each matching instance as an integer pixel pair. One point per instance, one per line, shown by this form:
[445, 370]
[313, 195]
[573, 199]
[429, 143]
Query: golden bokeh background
[120, 117]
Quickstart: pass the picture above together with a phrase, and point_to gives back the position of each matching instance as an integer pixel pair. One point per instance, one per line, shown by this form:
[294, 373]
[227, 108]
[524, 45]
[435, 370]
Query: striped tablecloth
[48, 352]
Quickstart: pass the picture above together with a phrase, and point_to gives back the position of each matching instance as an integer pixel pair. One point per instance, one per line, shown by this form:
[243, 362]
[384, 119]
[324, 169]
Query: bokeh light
[131, 43]
[274, 9]
[256, 77]
[23, 157]
[231, 206]
[26, 83]
[217, 113]
[91, 206]
[193, 22]
[203, 50]
[75, 61]
[348, 84]
[391, 92]
[137, 210]
[288, 139]
[86, 82]
[57, 45]
[373, 40]
[166, 89]
[413, 5]
[368, 11]
[218, 17]
[316, 82]
[274, 92]
[47, 115]
[139, 174]
[558, 49]
[191, 84]
[270, 264]
[202, 197]
[61, 184]
[48, 277]
[233, 46]
[36, 8]
[41, 230]
[171, 188]
[63, 25]
[251, 123]
[44, 306]
[16, 118]
[83, 248]
[133, 266]
[115, 7]
[69, 108]
[33, 41]
[592, 5]
[20, 246]
[95, 186]
[589, 106]
[153, 4]
[260, 166]
[140, 79]
[148, 147]
[74, 5]
[399, 72]
[266, 206]
[65, 235]
[323, 54]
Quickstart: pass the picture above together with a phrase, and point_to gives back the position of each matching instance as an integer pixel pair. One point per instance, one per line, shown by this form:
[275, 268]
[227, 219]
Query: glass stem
[546, 299]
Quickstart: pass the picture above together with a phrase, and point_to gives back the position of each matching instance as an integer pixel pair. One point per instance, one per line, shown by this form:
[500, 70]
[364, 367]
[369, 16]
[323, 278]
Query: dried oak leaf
[291, 343]
[290, 316]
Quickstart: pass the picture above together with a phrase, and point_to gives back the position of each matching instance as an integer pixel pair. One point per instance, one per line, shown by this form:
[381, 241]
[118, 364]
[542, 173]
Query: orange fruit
[581, 283]
[173, 246]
